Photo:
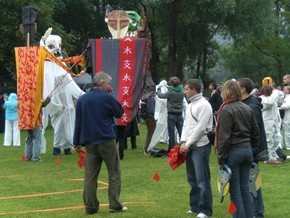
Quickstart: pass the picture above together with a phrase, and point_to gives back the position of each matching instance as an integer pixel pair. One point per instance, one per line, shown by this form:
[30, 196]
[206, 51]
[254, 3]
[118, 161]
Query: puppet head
[118, 23]
[52, 43]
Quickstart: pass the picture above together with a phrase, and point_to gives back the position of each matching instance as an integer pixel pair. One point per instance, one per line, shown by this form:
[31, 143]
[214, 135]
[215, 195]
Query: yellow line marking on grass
[66, 208]
[45, 194]
[104, 183]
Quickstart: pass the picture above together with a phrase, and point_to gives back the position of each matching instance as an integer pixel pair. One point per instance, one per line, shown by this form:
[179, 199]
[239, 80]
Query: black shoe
[67, 151]
[56, 151]
[91, 211]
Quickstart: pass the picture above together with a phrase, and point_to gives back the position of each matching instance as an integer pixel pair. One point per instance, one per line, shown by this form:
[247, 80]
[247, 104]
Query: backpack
[158, 152]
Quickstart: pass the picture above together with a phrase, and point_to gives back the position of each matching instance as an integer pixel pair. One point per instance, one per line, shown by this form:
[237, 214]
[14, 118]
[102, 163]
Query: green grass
[143, 196]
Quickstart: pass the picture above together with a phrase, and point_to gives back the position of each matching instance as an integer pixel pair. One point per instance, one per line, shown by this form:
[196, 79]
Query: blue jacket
[95, 112]
[11, 107]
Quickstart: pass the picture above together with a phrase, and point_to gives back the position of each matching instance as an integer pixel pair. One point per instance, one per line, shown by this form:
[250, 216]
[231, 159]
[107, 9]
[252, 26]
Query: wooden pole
[118, 27]
[28, 40]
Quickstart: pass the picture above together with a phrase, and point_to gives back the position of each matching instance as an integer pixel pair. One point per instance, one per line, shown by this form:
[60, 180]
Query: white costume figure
[278, 124]
[286, 119]
[63, 90]
[270, 118]
[160, 134]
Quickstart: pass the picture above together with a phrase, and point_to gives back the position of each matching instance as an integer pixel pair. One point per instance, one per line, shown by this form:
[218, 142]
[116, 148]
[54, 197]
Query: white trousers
[286, 135]
[12, 133]
[270, 130]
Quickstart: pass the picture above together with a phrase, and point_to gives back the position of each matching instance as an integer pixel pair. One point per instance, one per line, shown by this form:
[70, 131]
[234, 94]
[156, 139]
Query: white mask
[53, 44]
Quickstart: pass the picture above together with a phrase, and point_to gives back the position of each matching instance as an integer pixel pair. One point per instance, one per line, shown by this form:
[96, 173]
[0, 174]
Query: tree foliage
[185, 36]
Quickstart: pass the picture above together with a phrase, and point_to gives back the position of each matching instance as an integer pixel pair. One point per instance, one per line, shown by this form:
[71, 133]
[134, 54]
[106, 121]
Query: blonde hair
[231, 89]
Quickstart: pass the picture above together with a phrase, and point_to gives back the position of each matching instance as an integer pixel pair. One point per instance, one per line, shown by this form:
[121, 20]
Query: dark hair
[194, 84]
[213, 84]
[174, 81]
[267, 89]
[247, 84]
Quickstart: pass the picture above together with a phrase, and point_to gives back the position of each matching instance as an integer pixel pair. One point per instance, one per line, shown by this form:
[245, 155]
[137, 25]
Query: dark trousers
[95, 155]
[172, 122]
[151, 125]
[133, 142]
[121, 138]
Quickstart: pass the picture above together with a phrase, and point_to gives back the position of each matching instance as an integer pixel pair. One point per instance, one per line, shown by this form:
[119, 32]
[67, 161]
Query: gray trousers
[95, 155]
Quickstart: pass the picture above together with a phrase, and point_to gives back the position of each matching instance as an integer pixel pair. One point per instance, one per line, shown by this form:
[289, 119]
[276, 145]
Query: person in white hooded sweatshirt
[12, 132]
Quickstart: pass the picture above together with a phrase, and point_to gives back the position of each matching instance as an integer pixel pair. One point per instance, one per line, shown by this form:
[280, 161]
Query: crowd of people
[251, 125]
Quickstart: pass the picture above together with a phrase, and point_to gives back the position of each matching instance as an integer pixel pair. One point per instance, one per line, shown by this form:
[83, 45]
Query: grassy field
[48, 189]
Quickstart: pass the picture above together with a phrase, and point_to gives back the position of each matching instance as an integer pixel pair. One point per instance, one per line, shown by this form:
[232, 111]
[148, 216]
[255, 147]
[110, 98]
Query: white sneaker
[121, 210]
[189, 212]
[201, 215]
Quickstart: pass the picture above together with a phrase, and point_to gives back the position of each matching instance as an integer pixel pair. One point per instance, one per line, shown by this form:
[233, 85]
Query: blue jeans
[33, 144]
[239, 160]
[259, 205]
[198, 177]
[172, 122]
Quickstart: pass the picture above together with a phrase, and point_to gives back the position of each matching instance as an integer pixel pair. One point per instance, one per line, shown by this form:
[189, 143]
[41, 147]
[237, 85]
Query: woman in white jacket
[286, 119]
[270, 117]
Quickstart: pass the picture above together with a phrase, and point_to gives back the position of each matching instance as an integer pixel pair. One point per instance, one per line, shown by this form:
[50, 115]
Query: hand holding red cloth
[176, 158]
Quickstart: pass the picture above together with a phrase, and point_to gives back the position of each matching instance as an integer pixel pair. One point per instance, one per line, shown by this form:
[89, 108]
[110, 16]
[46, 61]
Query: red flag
[23, 158]
[57, 160]
[232, 208]
[156, 177]
[81, 161]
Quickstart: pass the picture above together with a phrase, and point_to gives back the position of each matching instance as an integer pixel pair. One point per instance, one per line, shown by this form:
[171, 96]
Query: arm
[116, 108]
[255, 131]
[163, 95]
[268, 102]
[224, 135]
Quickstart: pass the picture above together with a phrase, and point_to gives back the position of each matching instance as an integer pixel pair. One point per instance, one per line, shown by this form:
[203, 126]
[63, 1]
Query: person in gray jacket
[174, 98]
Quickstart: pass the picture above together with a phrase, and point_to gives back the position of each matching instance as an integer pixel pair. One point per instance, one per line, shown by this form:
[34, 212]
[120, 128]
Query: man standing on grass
[95, 129]
[194, 140]
[260, 151]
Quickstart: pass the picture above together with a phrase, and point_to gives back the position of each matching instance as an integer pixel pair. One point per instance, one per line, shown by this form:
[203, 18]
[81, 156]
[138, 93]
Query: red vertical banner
[126, 77]
[98, 55]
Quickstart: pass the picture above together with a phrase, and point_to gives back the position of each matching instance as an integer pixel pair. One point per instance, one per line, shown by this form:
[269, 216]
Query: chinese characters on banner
[123, 59]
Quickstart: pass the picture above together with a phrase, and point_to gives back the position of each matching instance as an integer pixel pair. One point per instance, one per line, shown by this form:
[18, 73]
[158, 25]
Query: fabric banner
[29, 68]
[124, 60]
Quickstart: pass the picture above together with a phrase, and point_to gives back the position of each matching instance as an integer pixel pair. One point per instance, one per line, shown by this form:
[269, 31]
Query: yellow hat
[267, 80]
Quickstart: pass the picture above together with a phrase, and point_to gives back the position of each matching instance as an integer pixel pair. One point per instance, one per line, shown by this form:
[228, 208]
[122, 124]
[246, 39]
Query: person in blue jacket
[12, 132]
[95, 129]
